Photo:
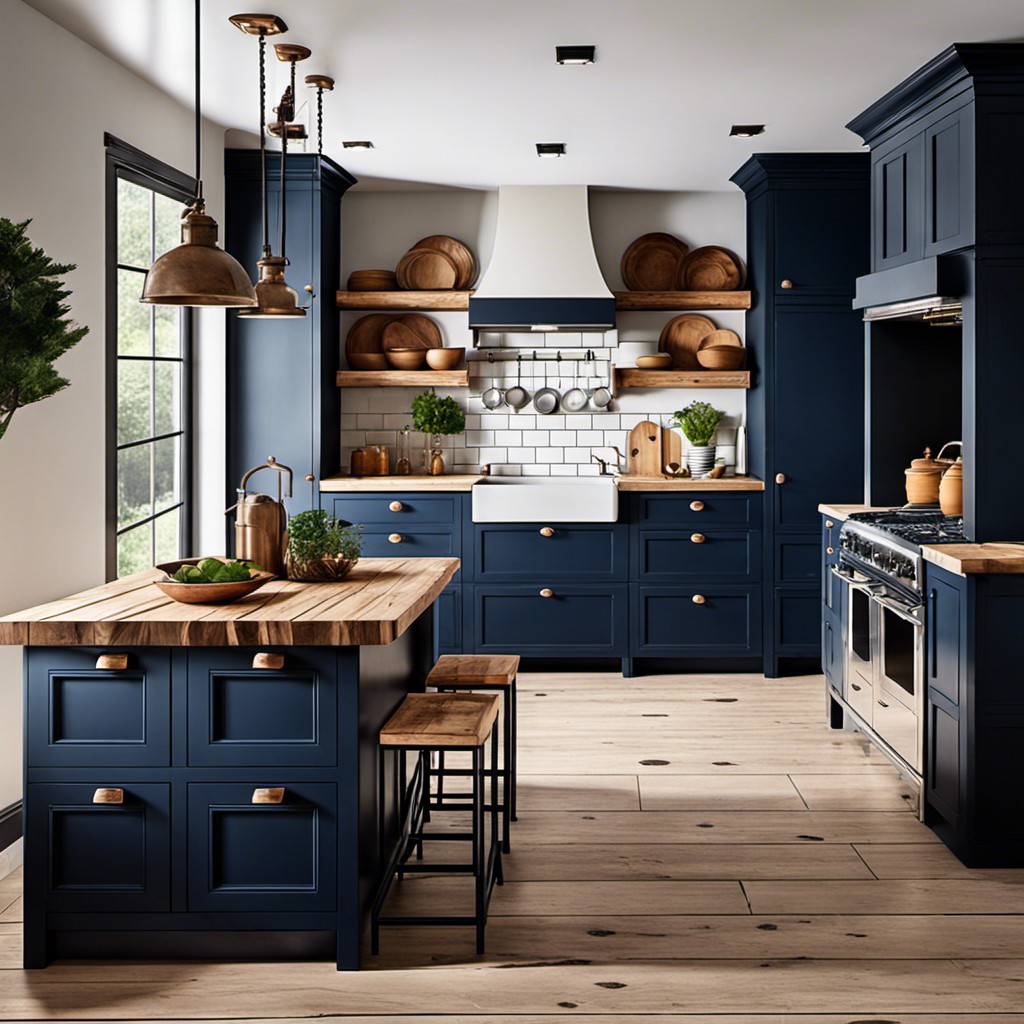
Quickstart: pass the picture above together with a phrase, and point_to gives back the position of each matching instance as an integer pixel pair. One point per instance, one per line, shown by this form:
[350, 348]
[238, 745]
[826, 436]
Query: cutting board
[414, 330]
[645, 449]
[459, 253]
[651, 262]
[671, 448]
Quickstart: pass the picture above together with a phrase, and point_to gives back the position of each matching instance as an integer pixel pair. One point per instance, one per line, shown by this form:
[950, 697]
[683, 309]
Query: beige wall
[52, 170]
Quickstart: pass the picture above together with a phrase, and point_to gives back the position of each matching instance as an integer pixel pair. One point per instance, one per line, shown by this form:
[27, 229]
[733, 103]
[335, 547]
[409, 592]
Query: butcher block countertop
[660, 483]
[843, 512]
[464, 482]
[977, 559]
[375, 604]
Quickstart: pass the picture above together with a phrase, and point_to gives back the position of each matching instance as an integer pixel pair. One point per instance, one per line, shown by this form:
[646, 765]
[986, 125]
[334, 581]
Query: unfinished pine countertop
[1005, 557]
[464, 482]
[374, 605]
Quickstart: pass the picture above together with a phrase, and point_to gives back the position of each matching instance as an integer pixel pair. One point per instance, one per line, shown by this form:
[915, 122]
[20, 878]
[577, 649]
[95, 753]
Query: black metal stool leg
[510, 759]
[493, 847]
[479, 855]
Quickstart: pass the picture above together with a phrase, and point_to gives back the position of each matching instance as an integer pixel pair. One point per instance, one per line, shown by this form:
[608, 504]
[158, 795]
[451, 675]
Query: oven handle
[866, 588]
[901, 611]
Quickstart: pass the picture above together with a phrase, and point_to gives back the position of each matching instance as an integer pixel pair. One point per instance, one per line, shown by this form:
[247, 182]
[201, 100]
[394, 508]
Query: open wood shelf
[654, 301]
[440, 302]
[403, 378]
[627, 377]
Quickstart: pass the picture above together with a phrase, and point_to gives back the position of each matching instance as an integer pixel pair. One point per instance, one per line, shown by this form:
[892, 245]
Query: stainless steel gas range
[882, 570]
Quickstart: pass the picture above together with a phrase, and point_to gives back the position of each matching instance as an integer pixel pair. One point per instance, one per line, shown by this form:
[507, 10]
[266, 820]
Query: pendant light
[320, 83]
[197, 272]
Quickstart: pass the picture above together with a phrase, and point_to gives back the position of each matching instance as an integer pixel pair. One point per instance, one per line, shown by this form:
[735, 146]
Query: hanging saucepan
[493, 397]
[601, 396]
[518, 396]
[546, 400]
[575, 398]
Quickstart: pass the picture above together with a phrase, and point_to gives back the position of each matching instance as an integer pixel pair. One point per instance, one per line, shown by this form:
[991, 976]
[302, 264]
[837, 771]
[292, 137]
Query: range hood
[543, 275]
[929, 290]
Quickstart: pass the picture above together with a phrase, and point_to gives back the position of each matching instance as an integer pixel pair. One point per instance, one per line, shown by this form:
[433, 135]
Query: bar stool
[488, 672]
[438, 722]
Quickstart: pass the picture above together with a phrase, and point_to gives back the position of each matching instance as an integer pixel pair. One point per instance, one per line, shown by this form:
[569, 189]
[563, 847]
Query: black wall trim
[10, 825]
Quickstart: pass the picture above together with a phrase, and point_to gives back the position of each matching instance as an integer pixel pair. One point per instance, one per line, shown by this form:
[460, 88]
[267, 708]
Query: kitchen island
[200, 780]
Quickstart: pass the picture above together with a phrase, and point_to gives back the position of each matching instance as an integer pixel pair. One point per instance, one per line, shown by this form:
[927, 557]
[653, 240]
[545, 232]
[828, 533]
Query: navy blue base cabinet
[149, 827]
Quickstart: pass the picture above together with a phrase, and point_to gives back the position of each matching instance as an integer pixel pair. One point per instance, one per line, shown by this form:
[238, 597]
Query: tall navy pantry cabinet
[808, 226]
[282, 395]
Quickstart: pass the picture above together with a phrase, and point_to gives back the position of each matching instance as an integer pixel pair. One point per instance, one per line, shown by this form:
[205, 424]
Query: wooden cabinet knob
[780, 478]
[698, 599]
[309, 478]
[697, 506]
[787, 284]
[547, 592]
[830, 550]
[697, 538]
[394, 538]
[107, 795]
[264, 659]
[546, 531]
[829, 524]
[396, 506]
[273, 795]
[112, 662]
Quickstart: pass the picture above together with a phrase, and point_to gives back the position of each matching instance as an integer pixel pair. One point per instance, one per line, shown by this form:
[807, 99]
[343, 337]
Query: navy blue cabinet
[712, 621]
[808, 218]
[515, 552]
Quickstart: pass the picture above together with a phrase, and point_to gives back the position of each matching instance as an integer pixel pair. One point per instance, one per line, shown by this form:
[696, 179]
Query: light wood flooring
[759, 869]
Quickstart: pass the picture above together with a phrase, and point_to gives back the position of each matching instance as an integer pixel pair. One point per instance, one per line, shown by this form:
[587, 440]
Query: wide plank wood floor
[690, 850]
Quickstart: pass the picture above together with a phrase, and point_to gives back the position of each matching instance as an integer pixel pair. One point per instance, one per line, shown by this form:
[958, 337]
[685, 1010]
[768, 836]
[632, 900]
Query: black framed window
[149, 371]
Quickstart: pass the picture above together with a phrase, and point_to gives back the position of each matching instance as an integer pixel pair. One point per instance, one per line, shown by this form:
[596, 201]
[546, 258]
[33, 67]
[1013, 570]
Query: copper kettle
[261, 522]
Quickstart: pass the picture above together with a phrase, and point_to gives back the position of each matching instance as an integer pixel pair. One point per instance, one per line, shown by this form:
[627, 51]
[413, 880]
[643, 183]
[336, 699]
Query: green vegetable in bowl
[213, 570]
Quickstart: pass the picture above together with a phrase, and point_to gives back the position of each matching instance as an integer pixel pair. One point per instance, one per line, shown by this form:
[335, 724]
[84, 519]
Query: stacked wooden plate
[372, 281]
[437, 263]
[695, 343]
[710, 269]
[659, 262]
[371, 338]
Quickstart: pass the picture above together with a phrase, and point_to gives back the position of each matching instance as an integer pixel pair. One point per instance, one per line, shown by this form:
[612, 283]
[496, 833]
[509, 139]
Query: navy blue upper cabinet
[897, 228]
[282, 396]
[949, 182]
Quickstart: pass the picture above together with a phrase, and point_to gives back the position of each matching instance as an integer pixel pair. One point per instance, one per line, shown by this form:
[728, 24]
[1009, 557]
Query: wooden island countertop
[374, 605]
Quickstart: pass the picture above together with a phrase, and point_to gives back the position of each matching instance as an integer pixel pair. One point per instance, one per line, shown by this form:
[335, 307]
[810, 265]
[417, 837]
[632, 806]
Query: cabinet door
[898, 201]
[448, 621]
[832, 650]
[942, 760]
[818, 413]
[798, 622]
[949, 183]
[724, 621]
[797, 559]
[101, 857]
[942, 638]
[254, 857]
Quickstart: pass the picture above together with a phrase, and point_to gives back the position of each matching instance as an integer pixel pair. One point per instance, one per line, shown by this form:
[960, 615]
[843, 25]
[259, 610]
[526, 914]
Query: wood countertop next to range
[374, 605]
[843, 512]
[1004, 557]
[659, 483]
[386, 484]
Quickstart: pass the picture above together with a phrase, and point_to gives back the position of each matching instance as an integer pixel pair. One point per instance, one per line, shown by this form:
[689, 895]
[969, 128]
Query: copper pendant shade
[275, 298]
[197, 272]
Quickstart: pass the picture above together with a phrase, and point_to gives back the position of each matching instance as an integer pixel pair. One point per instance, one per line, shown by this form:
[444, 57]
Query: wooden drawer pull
[830, 551]
[396, 506]
[787, 284]
[698, 538]
[698, 599]
[546, 531]
[108, 796]
[547, 592]
[780, 478]
[394, 538]
[112, 662]
[697, 506]
[274, 795]
[264, 659]
[829, 524]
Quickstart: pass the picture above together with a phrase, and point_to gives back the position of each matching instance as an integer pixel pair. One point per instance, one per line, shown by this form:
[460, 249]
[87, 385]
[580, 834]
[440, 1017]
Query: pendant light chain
[320, 121]
[263, 140]
[198, 97]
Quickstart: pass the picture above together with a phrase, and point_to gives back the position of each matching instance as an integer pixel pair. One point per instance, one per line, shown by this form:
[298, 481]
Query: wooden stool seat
[469, 670]
[441, 720]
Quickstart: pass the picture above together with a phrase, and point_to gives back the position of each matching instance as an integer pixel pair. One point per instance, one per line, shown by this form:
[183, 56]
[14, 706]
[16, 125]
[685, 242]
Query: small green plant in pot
[321, 548]
[699, 421]
[436, 417]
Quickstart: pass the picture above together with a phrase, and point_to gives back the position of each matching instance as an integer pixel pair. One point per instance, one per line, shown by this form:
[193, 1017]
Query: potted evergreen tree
[699, 421]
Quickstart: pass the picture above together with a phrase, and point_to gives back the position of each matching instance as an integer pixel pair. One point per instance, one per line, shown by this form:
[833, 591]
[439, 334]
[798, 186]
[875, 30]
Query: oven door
[898, 713]
[860, 638]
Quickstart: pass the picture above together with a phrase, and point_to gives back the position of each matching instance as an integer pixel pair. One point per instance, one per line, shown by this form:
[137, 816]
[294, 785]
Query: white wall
[52, 458]
[378, 227]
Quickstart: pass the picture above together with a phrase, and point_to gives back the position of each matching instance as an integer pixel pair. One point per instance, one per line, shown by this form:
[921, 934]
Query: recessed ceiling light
[745, 131]
[358, 144]
[550, 149]
[575, 54]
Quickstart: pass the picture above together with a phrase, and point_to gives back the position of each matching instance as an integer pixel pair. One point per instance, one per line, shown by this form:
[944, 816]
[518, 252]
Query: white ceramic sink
[520, 499]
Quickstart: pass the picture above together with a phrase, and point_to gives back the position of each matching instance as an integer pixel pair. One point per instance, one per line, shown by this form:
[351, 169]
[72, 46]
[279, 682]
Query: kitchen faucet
[603, 463]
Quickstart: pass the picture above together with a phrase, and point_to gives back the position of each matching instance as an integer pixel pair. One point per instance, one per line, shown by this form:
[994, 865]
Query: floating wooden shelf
[403, 378]
[441, 302]
[626, 377]
[653, 301]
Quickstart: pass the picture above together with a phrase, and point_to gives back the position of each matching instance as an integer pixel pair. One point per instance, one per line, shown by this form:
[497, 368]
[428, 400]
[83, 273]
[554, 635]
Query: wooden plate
[720, 338]
[460, 254]
[426, 270]
[709, 269]
[365, 334]
[650, 263]
[412, 330]
[681, 336]
[372, 281]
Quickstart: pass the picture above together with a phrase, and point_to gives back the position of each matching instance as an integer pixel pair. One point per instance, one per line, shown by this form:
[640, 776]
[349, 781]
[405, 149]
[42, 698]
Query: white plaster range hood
[543, 274]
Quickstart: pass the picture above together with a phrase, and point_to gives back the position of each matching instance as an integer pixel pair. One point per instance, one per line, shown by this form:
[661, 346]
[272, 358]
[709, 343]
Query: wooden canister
[922, 479]
[383, 460]
[951, 490]
[360, 462]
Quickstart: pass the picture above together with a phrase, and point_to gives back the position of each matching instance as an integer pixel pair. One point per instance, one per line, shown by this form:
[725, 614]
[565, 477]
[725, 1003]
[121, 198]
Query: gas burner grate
[918, 526]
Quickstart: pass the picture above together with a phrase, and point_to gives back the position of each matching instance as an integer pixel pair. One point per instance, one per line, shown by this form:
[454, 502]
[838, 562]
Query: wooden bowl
[444, 358]
[406, 358]
[372, 281]
[657, 361]
[368, 361]
[207, 593]
[721, 357]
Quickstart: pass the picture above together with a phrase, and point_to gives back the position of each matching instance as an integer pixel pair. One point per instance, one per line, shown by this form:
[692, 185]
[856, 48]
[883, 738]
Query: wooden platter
[645, 449]
[459, 253]
[365, 334]
[372, 281]
[681, 336]
[710, 268]
[426, 270]
[412, 330]
[651, 262]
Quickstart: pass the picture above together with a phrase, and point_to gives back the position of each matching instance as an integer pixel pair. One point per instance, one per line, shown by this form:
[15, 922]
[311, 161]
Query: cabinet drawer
[412, 542]
[258, 857]
[713, 554]
[524, 552]
[439, 510]
[698, 510]
[797, 560]
[82, 715]
[576, 619]
[669, 621]
[99, 856]
[240, 715]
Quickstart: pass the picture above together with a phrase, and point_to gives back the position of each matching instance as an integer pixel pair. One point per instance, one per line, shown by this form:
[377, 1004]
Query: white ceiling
[456, 92]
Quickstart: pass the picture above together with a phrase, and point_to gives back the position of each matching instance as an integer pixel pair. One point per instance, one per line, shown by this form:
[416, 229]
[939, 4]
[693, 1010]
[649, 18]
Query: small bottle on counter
[383, 460]
[403, 467]
[358, 464]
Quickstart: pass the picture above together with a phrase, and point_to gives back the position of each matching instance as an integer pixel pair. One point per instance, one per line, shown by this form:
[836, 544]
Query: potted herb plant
[321, 548]
[698, 421]
[436, 417]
